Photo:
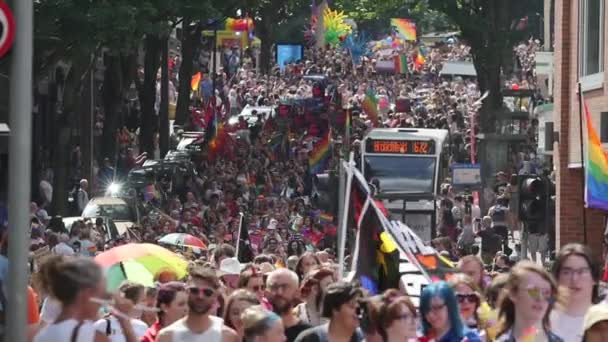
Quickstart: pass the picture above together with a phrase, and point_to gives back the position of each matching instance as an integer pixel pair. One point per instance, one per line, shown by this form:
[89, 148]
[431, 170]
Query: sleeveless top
[181, 333]
[63, 331]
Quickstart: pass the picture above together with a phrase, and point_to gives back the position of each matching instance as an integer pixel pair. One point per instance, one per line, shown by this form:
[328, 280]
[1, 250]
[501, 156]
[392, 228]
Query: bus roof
[412, 133]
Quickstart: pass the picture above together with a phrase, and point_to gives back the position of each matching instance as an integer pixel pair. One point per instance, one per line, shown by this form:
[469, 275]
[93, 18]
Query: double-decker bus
[407, 165]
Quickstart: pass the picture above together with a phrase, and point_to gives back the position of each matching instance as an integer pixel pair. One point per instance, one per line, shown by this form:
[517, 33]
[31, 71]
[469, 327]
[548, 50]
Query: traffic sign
[7, 28]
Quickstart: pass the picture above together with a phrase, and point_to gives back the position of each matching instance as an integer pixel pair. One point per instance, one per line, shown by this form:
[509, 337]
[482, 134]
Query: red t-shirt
[152, 332]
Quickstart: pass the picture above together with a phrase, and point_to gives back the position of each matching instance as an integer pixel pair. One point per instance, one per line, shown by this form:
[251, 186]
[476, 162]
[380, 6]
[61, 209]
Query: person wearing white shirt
[578, 276]
[110, 326]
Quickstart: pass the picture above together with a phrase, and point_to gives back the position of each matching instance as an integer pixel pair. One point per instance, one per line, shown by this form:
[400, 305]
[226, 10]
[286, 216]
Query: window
[401, 174]
[604, 127]
[591, 37]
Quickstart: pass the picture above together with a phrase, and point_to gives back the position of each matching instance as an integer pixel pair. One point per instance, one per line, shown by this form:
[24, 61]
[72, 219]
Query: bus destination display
[401, 146]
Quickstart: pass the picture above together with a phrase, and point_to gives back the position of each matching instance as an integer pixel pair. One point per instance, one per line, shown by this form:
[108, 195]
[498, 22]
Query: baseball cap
[229, 266]
[273, 224]
[596, 313]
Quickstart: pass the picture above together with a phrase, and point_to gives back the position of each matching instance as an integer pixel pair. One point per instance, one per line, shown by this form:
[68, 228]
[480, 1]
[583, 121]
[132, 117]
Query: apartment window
[591, 37]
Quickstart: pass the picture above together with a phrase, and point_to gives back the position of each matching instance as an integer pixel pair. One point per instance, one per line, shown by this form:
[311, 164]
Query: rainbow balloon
[239, 25]
[405, 27]
[596, 169]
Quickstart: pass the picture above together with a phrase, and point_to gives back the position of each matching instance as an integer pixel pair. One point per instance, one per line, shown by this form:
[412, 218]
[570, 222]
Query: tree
[490, 28]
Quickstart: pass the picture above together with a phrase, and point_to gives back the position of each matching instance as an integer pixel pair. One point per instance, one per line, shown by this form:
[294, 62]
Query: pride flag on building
[317, 161]
[405, 27]
[596, 168]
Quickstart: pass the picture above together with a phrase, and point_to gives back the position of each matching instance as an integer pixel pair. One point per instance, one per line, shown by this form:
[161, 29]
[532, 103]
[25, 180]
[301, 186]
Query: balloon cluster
[336, 29]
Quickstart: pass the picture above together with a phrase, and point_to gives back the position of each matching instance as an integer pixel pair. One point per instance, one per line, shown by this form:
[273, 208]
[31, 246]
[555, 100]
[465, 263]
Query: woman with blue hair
[440, 316]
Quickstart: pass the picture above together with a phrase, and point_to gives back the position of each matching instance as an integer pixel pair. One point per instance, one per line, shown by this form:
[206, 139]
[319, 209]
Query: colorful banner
[405, 27]
[596, 168]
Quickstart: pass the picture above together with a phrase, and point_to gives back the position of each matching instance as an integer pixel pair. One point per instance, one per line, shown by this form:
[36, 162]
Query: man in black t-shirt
[340, 305]
[282, 286]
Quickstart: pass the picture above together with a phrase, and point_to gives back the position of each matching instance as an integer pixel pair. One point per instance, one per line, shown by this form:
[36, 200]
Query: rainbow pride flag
[405, 27]
[401, 64]
[317, 160]
[420, 60]
[196, 79]
[370, 106]
[596, 168]
[326, 218]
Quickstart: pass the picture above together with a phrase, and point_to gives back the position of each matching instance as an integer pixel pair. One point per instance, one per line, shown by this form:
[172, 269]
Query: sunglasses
[258, 288]
[470, 297]
[537, 293]
[195, 291]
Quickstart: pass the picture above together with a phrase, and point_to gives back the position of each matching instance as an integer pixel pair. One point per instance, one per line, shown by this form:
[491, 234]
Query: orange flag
[196, 79]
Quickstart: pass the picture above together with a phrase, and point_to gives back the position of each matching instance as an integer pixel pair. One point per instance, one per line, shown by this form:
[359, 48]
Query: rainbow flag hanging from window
[596, 168]
[319, 156]
[370, 106]
[405, 27]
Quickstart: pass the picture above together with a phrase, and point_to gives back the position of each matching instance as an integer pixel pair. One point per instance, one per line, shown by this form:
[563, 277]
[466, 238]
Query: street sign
[7, 28]
[466, 175]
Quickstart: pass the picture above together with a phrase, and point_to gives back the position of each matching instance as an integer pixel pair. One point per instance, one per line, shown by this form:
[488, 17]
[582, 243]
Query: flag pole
[346, 166]
[580, 113]
[238, 236]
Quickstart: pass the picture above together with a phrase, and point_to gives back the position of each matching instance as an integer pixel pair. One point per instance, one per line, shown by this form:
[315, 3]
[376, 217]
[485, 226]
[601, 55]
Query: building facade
[580, 58]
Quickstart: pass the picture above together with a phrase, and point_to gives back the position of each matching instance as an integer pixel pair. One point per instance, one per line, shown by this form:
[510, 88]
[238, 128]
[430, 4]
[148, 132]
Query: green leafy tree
[490, 28]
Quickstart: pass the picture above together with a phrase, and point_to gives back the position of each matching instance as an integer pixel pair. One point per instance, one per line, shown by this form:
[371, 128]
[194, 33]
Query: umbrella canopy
[181, 239]
[139, 263]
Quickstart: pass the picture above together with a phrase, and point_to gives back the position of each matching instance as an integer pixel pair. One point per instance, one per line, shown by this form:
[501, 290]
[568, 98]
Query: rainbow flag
[196, 80]
[401, 64]
[405, 27]
[596, 168]
[420, 60]
[320, 154]
[370, 106]
[325, 218]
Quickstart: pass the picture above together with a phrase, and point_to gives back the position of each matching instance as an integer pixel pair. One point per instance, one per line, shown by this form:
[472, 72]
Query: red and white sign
[7, 28]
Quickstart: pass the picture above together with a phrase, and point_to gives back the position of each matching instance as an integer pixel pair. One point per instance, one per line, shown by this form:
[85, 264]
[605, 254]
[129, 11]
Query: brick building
[580, 41]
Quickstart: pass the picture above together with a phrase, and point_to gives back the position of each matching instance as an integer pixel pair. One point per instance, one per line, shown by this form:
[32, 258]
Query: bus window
[401, 174]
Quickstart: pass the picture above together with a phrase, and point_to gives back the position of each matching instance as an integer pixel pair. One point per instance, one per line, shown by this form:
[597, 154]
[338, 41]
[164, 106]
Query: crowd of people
[309, 302]
[285, 285]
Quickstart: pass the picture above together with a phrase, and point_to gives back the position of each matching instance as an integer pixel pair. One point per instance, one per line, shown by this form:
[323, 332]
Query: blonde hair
[506, 307]
[463, 279]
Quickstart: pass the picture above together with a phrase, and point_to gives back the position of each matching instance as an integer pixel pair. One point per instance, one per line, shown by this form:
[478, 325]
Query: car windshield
[401, 174]
[117, 212]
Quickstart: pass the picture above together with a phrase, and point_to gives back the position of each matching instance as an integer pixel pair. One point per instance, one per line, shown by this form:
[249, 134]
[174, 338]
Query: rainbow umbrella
[183, 240]
[139, 263]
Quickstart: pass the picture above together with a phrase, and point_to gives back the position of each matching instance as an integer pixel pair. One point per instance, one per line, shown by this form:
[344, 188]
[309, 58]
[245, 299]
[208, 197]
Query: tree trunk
[190, 41]
[265, 33]
[86, 125]
[112, 92]
[149, 119]
[163, 131]
[63, 119]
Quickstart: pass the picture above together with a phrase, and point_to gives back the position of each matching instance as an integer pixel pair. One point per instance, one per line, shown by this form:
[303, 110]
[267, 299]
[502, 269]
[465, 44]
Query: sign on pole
[7, 28]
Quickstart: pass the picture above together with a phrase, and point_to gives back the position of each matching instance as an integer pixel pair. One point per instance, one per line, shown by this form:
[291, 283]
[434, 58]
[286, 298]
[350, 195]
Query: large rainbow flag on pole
[596, 168]
[320, 154]
[405, 27]
[370, 106]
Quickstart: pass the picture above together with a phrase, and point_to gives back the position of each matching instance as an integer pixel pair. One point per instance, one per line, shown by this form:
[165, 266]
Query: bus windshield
[402, 173]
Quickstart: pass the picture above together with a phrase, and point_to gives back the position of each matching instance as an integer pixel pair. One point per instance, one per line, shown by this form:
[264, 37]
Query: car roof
[107, 200]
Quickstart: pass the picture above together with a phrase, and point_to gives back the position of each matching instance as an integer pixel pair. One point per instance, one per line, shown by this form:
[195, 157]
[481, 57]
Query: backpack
[499, 214]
